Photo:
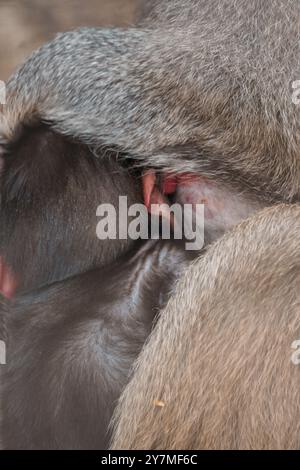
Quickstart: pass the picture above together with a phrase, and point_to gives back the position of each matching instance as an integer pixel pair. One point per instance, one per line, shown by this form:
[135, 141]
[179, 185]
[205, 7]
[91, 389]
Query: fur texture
[204, 86]
[220, 356]
[201, 87]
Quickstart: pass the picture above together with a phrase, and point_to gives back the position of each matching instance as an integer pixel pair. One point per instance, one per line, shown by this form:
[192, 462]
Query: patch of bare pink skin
[195, 189]
[8, 284]
[169, 185]
[155, 194]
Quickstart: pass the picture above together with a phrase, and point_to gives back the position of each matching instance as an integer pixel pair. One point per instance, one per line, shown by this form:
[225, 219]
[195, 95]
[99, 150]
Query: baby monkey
[78, 309]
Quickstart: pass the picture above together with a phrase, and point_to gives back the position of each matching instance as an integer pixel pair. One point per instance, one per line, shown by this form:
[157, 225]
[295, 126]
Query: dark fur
[49, 193]
[71, 344]
[71, 347]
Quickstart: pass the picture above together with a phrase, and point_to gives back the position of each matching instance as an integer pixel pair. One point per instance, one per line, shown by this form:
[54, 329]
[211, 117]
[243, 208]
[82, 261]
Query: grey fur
[220, 356]
[205, 87]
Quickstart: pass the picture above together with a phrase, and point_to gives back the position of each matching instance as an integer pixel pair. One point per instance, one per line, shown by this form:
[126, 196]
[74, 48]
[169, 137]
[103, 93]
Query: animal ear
[154, 196]
[8, 283]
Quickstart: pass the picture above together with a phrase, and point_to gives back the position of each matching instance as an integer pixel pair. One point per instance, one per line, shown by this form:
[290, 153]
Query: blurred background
[26, 24]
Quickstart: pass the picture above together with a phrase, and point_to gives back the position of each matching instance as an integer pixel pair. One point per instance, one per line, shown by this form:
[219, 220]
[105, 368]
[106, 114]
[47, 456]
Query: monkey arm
[219, 361]
[205, 92]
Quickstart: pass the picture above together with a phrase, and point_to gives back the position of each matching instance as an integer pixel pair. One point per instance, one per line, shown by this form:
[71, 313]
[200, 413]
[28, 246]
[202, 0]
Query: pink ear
[154, 198]
[148, 181]
[154, 194]
[8, 283]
